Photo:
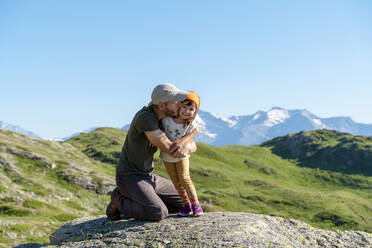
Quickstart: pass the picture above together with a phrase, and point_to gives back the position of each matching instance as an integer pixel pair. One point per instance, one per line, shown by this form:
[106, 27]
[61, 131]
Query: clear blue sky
[66, 66]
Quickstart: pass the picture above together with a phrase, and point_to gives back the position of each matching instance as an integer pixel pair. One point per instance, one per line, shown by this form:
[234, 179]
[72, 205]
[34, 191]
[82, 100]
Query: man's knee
[159, 213]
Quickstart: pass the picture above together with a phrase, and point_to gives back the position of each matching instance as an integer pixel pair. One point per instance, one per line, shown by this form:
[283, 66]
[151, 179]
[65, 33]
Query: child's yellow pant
[180, 176]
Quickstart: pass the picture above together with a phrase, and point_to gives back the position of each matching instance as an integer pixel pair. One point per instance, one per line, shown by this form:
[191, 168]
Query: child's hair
[188, 102]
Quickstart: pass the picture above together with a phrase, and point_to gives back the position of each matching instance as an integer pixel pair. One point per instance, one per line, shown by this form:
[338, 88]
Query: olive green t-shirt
[136, 155]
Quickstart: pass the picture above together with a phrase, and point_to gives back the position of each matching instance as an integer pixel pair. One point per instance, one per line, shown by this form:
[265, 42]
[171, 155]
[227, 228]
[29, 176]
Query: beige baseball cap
[163, 93]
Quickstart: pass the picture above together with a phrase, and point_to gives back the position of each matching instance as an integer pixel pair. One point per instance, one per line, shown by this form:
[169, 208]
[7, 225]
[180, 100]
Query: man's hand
[152, 145]
[180, 149]
[177, 144]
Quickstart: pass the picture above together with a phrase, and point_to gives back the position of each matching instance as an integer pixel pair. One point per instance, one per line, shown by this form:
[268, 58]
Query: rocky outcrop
[92, 184]
[214, 229]
[76, 174]
[31, 155]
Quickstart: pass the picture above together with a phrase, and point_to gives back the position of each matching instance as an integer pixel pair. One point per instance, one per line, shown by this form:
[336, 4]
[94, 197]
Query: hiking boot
[112, 210]
[197, 210]
[186, 211]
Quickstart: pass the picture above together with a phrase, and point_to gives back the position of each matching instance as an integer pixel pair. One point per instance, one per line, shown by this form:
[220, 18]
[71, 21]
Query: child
[178, 169]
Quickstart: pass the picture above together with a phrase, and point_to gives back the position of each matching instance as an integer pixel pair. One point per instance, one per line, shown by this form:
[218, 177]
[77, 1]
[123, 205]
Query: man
[140, 193]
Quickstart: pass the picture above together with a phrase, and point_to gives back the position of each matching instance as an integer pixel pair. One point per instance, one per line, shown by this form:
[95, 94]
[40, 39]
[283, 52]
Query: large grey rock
[210, 230]
[87, 182]
[31, 155]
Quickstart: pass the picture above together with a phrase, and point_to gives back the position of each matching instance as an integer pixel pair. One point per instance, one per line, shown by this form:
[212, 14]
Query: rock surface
[213, 229]
[31, 155]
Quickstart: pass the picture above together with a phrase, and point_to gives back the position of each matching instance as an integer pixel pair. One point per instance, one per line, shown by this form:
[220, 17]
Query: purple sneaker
[186, 211]
[197, 210]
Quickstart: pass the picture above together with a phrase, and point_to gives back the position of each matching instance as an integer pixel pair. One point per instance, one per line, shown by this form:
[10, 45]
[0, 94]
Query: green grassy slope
[103, 144]
[253, 179]
[43, 184]
[65, 180]
[326, 149]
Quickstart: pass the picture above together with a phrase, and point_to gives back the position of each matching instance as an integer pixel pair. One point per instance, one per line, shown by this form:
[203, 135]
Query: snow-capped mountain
[262, 126]
[77, 133]
[17, 129]
[251, 129]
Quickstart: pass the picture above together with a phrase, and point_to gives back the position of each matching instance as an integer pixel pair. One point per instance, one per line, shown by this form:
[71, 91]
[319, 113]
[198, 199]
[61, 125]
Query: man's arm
[160, 140]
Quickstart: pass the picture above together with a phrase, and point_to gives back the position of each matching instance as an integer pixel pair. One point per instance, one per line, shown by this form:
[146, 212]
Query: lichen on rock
[213, 229]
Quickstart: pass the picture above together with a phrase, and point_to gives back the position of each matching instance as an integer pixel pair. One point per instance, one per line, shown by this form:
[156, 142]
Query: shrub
[35, 204]
[74, 205]
[329, 218]
[65, 217]
[11, 211]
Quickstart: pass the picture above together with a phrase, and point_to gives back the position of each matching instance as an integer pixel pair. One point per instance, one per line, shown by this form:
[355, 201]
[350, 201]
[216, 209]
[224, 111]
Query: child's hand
[152, 145]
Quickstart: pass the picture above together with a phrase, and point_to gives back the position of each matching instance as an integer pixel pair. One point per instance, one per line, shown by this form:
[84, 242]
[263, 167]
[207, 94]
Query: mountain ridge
[262, 126]
[326, 149]
[251, 129]
[6, 126]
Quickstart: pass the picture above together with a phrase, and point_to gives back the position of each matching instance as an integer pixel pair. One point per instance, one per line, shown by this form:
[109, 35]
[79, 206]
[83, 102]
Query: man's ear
[161, 107]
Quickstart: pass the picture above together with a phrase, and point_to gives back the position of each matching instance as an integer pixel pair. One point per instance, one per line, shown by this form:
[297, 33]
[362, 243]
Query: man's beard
[171, 113]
